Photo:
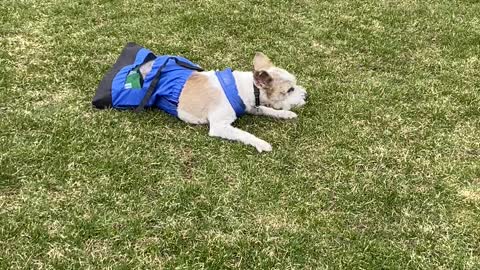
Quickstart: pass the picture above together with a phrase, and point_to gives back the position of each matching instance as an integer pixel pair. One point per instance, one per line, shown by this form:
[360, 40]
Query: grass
[380, 171]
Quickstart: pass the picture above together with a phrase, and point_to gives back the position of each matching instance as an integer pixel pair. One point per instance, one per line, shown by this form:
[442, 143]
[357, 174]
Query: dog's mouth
[286, 107]
[289, 103]
[296, 106]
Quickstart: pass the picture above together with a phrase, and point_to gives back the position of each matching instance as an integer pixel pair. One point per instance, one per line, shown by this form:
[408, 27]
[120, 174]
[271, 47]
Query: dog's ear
[262, 78]
[261, 61]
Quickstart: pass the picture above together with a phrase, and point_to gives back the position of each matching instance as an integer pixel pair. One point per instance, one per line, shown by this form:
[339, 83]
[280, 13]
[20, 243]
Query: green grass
[380, 171]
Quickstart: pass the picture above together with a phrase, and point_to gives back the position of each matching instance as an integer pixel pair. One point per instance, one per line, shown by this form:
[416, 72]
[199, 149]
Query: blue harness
[229, 86]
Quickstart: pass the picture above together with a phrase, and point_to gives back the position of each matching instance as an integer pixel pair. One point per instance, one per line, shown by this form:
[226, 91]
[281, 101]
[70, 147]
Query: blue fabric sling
[162, 86]
[124, 87]
[227, 81]
[167, 79]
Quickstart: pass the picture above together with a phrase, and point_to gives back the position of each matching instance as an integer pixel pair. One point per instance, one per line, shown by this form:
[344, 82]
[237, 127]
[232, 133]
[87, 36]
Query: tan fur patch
[146, 68]
[278, 86]
[261, 62]
[198, 96]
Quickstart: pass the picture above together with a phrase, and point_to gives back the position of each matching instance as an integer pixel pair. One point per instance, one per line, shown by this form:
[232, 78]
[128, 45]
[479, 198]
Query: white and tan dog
[202, 100]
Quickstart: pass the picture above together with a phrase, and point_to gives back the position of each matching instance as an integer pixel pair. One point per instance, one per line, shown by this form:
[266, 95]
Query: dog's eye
[291, 90]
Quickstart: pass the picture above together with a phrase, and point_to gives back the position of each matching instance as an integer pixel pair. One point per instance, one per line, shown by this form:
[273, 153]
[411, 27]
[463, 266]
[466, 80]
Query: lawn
[380, 171]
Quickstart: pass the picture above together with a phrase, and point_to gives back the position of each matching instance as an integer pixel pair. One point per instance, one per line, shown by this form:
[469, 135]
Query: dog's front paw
[263, 146]
[288, 115]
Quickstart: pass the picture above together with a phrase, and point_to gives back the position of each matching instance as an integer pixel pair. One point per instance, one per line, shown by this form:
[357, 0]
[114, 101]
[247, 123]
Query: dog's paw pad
[289, 115]
[263, 146]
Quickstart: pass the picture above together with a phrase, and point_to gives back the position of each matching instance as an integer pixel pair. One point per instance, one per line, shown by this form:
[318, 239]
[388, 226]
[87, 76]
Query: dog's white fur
[276, 100]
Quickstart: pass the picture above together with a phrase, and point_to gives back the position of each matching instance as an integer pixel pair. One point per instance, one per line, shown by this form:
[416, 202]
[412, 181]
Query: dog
[268, 90]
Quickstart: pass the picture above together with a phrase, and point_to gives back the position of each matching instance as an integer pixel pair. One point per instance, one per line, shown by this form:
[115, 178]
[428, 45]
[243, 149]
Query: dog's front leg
[226, 131]
[267, 111]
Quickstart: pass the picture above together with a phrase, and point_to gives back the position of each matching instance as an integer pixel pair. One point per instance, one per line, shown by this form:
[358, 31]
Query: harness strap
[155, 80]
[227, 81]
[186, 65]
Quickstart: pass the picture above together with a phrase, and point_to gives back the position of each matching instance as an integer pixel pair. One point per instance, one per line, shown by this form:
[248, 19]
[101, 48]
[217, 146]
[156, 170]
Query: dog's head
[280, 87]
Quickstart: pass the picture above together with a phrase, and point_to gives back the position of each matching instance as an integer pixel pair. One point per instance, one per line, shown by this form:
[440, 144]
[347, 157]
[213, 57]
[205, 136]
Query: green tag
[133, 80]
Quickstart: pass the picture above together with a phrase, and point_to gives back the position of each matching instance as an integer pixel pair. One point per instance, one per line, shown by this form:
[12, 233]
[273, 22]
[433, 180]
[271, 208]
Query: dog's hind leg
[226, 131]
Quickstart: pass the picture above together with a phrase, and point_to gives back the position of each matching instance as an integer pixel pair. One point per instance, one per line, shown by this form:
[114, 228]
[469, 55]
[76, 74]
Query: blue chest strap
[227, 81]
